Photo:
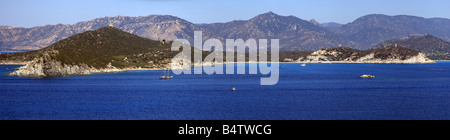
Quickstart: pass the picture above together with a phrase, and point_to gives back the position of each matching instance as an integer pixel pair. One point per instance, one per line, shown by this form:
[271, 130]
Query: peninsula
[107, 49]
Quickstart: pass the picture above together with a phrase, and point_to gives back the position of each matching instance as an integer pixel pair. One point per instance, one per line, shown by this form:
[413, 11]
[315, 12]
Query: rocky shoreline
[419, 59]
[391, 55]
[40, 71]
[45, 66]
[12, 63]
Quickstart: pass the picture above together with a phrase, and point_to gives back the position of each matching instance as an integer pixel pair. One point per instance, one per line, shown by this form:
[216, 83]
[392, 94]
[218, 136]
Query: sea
[313, 92]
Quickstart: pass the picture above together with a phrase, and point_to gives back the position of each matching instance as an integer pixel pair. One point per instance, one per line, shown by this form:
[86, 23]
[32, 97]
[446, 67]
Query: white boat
[303, 65]
[166, 77]
[367, 76]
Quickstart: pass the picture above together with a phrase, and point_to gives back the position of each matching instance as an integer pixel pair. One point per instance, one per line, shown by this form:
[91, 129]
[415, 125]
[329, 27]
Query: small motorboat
[303, 65]
[367, 76]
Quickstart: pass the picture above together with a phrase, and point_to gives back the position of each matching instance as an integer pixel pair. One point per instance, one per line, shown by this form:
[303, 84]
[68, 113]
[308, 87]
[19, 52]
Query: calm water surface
[317, 91]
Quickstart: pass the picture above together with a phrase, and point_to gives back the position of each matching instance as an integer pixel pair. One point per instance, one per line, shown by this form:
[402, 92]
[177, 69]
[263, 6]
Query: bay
[317, 91]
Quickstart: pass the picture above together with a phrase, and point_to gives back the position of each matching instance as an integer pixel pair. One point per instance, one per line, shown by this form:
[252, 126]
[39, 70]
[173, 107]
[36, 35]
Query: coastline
[310, 62]
[297, 62]
[116, 70]
[14, 63]
[330, 62]
[346, 62]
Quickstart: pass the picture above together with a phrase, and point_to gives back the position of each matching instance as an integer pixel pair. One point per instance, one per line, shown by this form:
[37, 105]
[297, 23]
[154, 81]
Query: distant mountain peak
[294, 33]
[313, 21]
[268, 15]
[373, 16]
[378, 17]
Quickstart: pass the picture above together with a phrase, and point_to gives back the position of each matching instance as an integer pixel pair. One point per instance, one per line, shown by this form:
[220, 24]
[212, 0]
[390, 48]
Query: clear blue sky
[28, 13]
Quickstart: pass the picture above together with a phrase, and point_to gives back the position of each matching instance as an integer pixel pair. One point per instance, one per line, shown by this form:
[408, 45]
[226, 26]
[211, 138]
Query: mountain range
[435, 48]
[373, 29]
[295, 34]
[109, 49]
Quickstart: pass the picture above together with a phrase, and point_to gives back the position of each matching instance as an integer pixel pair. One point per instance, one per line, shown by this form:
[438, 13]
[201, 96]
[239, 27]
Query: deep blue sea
[5, 52]
[317, 91]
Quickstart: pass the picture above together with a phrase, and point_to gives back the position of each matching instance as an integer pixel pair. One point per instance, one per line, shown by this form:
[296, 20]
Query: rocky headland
[387, 55]
[105, 50]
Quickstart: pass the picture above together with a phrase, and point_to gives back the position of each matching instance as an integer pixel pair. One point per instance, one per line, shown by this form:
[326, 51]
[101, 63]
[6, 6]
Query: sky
[29, 13]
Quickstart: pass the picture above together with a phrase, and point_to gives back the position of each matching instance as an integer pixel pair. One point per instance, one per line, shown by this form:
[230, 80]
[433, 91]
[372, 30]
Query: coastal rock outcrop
[388, 55]
[46, 66]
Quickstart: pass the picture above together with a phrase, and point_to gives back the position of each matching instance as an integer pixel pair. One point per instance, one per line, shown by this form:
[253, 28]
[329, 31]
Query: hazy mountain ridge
[32, 38]
[435, 48]
[156, 27]
[372, 29]
[295, 34]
